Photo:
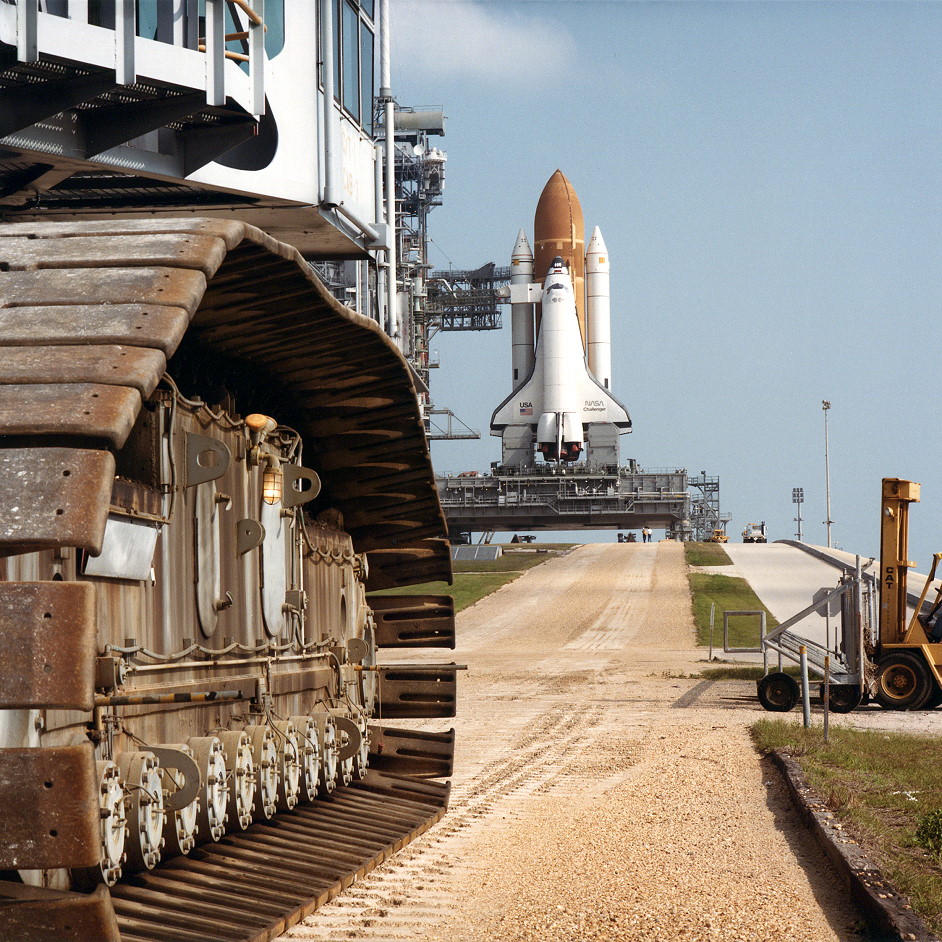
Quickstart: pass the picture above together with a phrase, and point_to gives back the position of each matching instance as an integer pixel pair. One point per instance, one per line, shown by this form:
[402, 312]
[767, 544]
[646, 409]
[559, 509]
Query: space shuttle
[561, 406]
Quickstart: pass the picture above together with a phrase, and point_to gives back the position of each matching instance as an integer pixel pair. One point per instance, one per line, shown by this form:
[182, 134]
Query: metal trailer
[844, 666]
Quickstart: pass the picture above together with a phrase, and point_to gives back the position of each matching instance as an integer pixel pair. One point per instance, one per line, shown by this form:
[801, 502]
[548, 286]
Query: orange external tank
[559, 230]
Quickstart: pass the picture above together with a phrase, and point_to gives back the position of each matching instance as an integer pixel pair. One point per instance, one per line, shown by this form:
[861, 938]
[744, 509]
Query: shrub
[929, 833]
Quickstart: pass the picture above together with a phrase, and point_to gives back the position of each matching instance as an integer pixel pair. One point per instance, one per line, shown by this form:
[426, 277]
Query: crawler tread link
[131, 350]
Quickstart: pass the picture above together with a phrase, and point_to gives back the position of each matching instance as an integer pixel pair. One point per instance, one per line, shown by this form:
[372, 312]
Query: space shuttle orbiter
[562, 404]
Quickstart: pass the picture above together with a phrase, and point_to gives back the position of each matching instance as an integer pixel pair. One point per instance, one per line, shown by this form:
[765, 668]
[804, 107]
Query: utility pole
[798, 495]
[825, 405]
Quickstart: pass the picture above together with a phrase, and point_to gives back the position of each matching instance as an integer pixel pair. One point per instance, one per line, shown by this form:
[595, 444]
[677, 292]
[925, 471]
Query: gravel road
[600, 793]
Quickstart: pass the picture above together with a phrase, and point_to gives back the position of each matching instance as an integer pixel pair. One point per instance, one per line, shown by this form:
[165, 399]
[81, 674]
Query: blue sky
[768, 180]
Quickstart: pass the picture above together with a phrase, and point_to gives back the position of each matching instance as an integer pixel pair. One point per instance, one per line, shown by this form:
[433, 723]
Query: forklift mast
[894, 557]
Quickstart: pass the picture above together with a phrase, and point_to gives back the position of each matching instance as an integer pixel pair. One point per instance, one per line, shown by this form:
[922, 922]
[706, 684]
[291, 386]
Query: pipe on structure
[327, 51]
[381, 271]
[521, 312]
[331, 200]
[389, 124]
[598, 309]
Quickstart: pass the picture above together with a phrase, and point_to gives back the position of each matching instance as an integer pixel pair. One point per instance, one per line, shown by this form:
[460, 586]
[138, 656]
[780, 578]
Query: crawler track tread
[181, 900]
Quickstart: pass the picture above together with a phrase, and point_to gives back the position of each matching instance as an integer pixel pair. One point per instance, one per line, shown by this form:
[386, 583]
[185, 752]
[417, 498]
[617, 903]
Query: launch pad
[560, 427]
[549, 497]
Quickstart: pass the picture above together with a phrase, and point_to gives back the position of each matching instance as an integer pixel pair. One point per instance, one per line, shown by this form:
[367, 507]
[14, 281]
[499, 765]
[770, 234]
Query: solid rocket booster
[521, 314]
[562, 381]
[559, 230]
[598, 310]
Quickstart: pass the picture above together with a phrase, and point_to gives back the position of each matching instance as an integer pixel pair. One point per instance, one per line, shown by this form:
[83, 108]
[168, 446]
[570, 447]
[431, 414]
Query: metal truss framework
[547, 498]
[705, 515]
[467, 300]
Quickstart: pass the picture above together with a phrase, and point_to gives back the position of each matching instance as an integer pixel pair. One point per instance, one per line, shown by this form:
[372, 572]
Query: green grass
[706, 554]
[513, 561]
[475, 579]
[535, 547]
[731, 594]
[468, 587]
[886, 787]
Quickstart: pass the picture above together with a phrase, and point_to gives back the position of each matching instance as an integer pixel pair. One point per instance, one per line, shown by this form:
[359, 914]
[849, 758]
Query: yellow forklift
[908, 657]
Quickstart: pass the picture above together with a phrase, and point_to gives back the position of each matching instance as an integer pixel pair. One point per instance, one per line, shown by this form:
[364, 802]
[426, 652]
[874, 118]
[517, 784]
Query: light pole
[825, 405]
[798, 495]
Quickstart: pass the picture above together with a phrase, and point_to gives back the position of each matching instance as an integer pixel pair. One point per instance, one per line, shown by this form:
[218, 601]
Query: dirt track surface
[596, 795]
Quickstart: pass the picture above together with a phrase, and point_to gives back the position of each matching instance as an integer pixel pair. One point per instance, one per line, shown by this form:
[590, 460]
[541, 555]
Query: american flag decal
[526, 410]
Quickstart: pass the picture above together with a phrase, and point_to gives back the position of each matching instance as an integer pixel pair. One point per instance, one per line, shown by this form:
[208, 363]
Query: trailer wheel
[903, 681]
[844, 698]
[778, 692]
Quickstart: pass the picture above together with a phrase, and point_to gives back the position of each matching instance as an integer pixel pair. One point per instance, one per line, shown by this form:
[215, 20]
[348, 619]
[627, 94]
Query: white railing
[35, 32]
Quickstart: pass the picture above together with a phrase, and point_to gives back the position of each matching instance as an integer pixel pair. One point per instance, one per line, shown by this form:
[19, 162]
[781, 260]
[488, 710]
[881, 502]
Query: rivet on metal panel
[249, 534]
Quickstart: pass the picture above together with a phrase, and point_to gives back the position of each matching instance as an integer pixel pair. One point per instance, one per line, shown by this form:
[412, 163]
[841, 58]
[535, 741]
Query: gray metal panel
[274, 574]
[481, 552]
[127, 551]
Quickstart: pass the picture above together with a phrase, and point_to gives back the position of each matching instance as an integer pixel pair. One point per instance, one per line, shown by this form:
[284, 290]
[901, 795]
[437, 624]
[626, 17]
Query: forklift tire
[935, 699]
[903, 681]
[778, 692]
[844, 698]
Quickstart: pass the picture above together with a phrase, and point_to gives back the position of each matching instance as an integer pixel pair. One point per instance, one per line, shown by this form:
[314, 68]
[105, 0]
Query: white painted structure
[560, 395]
[264, 107]
[521, 311]
[598, 310]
